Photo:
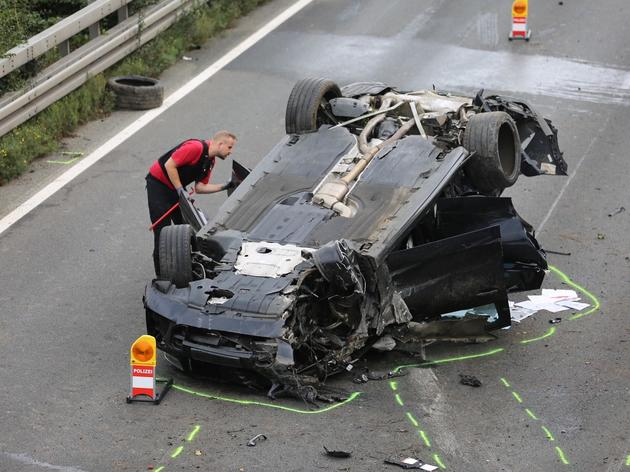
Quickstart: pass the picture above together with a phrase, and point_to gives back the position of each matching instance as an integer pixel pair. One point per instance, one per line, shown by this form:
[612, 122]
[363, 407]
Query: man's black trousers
[161, 199]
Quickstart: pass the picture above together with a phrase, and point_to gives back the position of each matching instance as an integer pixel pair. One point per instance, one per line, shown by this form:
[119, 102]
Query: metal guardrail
[95, 56]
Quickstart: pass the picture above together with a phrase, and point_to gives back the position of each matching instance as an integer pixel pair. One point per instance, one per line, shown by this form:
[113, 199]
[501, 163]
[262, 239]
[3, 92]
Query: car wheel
[135, 92]
[494, 140]
[176, 245]
[307, 107]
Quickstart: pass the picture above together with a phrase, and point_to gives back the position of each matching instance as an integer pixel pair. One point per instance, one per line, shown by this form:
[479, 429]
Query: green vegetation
[42, 134]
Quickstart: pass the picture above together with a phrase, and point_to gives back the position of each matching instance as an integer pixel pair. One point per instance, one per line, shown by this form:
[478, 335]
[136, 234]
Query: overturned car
[376, 214]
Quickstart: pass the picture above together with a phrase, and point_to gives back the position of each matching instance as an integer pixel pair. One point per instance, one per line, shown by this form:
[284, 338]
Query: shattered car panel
[364, 227]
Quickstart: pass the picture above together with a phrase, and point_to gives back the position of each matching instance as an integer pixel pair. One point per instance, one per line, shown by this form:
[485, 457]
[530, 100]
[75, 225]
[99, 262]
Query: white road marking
[587, 152]
[24, 459]
[50, 189]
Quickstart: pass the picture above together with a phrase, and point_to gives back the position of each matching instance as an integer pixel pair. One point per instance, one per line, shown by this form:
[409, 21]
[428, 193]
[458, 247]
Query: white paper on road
[560, 294]
[519, 313]
[537, 306]
[575, 305]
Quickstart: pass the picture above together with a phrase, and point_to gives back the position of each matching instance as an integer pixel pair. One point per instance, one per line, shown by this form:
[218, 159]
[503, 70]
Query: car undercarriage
[377, 214]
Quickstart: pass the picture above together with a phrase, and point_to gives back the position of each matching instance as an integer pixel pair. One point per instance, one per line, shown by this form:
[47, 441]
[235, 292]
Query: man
[190, 161]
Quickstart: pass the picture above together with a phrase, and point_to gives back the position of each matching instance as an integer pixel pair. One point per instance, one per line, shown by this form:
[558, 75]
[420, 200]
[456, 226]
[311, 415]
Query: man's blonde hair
[223, 136]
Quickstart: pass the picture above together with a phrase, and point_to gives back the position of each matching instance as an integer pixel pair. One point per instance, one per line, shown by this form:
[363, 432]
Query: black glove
[229, 185]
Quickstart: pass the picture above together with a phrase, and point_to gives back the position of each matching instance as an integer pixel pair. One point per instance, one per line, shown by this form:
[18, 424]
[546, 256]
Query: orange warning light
[519, 8]
[143, 350]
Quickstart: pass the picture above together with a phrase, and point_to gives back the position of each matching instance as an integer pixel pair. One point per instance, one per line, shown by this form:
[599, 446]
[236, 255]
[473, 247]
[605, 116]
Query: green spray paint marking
[193, 433]
[177, 452]
[628, 461]
[159, 469]
[565, 278]
[399, 400]
[414, 422]
[448, 359]
[545, 429]
[531, 414]
[352, 397]
[548, 433]
[551, 332]
[425, 438]
[438, 461]
[393, 385]
[561, 456]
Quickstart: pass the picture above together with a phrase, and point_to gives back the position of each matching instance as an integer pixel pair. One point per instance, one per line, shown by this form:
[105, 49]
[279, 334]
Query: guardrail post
[123, 14]
[95, 29]
[64, 48]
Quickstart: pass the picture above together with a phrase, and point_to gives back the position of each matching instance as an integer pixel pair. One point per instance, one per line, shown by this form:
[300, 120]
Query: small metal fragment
[616, 211]
[555, 320]
[255, 439]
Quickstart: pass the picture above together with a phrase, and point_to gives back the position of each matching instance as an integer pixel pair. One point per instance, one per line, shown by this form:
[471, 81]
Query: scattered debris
[386, 343]
[411, 463]
[470, 380]
[558, 253]
[616, 211]
[601, 236]
[373, 375]
[555, 320]
[339, 454]
[197, 452]
[259, 437]
[187, 58]
[79, 154]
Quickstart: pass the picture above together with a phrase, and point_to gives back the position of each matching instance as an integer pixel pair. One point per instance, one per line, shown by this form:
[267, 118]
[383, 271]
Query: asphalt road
[72, 272]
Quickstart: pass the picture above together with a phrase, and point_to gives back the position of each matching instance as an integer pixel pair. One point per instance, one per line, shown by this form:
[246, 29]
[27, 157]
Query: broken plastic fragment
[411, 463]
[255, 439]
[338, 453]
[555, 320]
[470, 380]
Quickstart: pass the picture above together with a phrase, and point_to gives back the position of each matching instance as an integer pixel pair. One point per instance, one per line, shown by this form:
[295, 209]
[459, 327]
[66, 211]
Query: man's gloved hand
[182, 193]
[229, 185]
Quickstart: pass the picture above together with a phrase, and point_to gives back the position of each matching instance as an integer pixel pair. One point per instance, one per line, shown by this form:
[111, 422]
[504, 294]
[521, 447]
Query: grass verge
[42, 134]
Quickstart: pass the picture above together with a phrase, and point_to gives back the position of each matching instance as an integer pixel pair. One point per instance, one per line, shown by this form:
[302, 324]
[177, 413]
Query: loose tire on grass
[305, 112]
[135, 92]
[176, 246]
[494, 139]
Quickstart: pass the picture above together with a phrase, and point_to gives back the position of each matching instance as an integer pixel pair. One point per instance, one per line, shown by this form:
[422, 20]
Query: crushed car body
[376, 214]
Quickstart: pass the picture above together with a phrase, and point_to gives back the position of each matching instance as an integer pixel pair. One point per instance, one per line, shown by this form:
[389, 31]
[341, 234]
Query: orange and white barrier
[520, 30]
[143, 361]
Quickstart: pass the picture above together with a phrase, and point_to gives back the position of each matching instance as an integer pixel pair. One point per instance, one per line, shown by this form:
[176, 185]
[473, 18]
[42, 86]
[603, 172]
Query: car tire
[135, 92]
[175, 252]
[305, 108]
[494, 140]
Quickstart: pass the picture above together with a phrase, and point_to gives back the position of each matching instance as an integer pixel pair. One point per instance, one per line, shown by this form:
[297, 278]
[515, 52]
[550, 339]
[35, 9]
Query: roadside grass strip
[548, 434]
[422, 435]
[353, 396]
[179, 449]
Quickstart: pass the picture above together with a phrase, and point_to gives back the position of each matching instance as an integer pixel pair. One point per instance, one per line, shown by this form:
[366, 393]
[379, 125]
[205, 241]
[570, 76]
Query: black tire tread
[481, 137]
[136, 97]
[175, 253]
[303, 104]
